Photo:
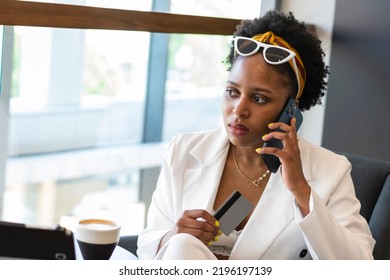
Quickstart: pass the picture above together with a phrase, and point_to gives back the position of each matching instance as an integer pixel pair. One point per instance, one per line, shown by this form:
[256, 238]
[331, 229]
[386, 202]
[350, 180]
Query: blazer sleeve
[334, 229]
[161, 213]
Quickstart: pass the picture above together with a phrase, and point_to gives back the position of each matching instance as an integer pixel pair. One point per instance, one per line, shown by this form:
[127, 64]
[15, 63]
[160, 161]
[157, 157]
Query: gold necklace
[255, 182]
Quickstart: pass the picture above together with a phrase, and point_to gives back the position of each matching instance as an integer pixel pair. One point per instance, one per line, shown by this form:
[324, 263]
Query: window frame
[26, 13]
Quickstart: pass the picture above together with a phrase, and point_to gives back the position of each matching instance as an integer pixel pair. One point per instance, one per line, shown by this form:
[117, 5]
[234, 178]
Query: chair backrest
[129, 242]
[371, 178]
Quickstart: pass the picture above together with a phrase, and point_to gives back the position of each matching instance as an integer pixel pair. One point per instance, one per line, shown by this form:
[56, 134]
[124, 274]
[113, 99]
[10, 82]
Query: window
[76, 112]
[75, 125]
[196, 74]
[136, 5]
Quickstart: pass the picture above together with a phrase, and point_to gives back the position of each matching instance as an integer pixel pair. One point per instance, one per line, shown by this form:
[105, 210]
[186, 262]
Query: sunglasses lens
[276, 55]
[245, 47]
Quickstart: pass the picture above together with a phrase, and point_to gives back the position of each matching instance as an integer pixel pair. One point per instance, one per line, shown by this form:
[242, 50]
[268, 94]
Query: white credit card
[232, 212]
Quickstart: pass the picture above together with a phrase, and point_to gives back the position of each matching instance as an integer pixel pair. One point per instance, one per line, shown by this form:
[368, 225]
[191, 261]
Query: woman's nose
[241, 109]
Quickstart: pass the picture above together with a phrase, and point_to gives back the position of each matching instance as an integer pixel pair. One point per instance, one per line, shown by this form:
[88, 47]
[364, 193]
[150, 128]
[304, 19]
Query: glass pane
[218, 8]
[94, 79]
[76, 121]
[195, 81]
[196, 73]
[136, 5]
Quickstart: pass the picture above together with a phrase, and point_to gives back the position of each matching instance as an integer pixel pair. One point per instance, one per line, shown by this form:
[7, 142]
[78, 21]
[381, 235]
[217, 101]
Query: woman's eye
[231, 92]
[258, 99]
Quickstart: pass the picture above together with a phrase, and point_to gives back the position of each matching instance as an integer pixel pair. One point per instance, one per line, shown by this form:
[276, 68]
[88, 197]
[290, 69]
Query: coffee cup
[97, 238]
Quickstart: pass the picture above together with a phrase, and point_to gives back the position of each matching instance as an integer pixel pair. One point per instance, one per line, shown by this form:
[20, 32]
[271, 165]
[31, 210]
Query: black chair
[129, 242]
[371, 178]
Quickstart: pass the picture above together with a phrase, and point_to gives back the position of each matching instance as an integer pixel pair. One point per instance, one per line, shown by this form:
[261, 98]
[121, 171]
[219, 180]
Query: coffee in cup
[97, 238]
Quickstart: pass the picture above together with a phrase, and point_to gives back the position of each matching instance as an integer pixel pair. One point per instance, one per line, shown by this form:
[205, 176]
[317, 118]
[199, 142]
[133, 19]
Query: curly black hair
[304, 41]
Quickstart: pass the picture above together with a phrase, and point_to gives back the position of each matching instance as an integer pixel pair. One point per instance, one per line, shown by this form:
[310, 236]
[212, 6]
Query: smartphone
[289, 111]
[232, 212]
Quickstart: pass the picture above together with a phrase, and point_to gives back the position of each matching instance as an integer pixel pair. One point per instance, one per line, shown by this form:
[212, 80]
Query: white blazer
[334, 229]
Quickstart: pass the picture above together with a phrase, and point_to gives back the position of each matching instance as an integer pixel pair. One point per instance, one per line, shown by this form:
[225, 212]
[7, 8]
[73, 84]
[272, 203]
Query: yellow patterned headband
[296, 63]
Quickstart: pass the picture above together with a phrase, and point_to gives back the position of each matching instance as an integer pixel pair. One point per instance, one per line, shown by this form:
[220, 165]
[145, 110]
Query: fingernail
[271, 124]
[208, 244]
[265, 135]
[219, 232]
[258, 150]
[216, 238]
[217, 224]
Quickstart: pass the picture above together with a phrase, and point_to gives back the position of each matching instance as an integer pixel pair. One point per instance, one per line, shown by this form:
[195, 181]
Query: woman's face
[254, 96]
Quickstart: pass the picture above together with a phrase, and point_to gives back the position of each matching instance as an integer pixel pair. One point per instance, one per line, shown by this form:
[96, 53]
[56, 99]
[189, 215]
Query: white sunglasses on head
[272, 54]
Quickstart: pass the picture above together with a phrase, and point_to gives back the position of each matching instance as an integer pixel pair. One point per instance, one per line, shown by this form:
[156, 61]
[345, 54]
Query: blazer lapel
[201, 181]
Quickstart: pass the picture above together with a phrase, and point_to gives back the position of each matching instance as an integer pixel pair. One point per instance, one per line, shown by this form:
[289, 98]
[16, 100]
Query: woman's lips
[238, 129]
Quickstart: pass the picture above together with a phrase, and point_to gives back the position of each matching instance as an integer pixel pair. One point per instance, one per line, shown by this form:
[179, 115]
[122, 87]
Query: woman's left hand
[290, 159]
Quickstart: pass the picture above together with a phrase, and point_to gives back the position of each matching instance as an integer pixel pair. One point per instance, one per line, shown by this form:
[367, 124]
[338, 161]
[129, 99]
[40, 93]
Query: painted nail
[258, 150]
[217, 224]
[265, 135]
[271, 124]
[216, 238]
[208, 244]
[219, 232]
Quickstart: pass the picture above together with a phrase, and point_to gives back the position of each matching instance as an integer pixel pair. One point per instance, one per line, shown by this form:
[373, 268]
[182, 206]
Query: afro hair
[304, 41]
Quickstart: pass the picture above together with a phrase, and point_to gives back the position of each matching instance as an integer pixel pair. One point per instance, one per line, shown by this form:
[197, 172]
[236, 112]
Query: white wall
[321, 14]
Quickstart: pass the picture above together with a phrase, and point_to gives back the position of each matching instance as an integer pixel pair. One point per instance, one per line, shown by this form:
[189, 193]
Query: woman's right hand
[200, 224]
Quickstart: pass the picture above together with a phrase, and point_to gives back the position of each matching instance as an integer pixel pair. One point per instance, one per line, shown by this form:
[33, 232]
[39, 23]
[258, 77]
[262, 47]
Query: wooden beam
[26, 13]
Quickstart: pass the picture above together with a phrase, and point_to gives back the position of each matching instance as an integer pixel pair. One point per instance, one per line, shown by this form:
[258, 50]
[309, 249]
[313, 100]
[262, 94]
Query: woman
[306, 210]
